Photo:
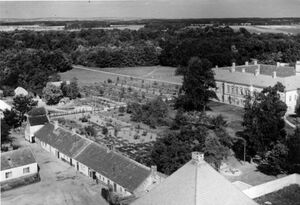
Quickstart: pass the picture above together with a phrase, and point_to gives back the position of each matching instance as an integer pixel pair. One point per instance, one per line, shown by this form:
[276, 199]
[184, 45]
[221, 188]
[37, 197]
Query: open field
[60, 184]
[285, 29]
[88, 75]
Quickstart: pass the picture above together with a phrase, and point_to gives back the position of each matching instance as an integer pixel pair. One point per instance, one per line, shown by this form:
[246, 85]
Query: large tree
[293, 145]
[196, 133]
[5, 132]
[12, 118]
[198, 85]
[22, 104]
[70, 90]
[263, 120]
[52, 94]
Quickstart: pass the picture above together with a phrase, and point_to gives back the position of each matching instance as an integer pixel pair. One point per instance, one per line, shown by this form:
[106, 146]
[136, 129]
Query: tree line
[28, 58]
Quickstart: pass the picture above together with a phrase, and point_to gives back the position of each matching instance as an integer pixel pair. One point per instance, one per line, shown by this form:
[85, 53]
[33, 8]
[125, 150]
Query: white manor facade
[234, 82]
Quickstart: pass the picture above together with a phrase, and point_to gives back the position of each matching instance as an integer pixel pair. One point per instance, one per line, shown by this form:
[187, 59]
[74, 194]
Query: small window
[8, 175]
[26, 170]
[228, 89]
[290, 98]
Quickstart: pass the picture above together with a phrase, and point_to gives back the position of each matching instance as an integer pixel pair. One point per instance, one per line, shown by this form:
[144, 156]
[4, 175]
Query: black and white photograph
[150, 102]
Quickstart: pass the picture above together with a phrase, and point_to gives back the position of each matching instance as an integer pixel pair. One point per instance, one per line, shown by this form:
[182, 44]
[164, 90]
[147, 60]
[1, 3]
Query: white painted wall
[18, 172]
[83, 169]
[31, 130]
[291, 100]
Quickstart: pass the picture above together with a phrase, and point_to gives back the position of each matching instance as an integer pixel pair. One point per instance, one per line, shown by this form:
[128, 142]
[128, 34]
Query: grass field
[88, 75]
[286, 29]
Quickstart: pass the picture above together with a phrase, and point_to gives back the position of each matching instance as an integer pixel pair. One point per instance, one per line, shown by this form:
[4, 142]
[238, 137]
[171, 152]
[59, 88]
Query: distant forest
[31, 58]
[186, 22]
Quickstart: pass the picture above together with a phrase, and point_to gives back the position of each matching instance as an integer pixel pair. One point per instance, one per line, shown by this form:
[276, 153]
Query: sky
[150, 8]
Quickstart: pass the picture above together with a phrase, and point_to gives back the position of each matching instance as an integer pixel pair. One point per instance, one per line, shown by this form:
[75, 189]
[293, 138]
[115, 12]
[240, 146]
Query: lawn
[289, 195]
[88, 75]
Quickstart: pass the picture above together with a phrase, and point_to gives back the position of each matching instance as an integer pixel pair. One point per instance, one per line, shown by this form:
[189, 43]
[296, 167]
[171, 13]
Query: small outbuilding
[18, 167]
[36, 119]
[20, 91]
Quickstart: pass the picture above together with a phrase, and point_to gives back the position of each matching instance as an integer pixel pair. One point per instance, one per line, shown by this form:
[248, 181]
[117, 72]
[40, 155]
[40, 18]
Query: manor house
[234, 82]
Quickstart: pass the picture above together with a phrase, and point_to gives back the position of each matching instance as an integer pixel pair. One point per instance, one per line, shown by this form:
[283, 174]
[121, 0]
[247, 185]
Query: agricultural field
[285, 29]
[88, 75]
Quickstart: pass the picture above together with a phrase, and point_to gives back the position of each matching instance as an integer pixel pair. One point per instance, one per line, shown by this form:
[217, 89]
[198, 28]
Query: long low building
[124, 175]
[234, 82]
[18, 167]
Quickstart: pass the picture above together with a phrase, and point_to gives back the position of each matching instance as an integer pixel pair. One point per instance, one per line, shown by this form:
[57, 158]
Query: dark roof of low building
[66, 142]
[116, 167]
[38, 120]
[37, 116]
[37, 111]
[17, 158]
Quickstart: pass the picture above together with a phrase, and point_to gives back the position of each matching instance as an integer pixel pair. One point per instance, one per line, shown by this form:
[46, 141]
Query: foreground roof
[116, 167]
[196, 183]
[16, 158]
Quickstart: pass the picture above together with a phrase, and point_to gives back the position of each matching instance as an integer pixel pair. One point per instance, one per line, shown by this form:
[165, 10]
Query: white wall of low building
[31, 130]
[83, 169]
[291, 100]
[19, 172]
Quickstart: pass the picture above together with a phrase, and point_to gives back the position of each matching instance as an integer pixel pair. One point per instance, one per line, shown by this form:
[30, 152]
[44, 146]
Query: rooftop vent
[274, 74]
[278, 64]
[233, 67]
[246, 63]
[55, 124]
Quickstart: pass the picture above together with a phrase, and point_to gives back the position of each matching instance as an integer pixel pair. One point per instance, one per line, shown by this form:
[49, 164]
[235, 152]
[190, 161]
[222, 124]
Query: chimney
[297, 68]
[255, 62]
[246, 63]
[153, 170]
[197, 157]
[256, 72]
[217, 66]
[55, 124]
[233, 67]
[274, 74]
[278, 64]
[74, 130]
[243, 70]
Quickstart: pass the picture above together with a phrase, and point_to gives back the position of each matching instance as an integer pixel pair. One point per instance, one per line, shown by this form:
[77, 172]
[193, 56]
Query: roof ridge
[105, 147]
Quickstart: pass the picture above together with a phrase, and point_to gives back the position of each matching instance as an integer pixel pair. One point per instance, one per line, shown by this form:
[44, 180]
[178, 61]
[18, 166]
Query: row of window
[237, 90]
[9, 174]
[295, 98]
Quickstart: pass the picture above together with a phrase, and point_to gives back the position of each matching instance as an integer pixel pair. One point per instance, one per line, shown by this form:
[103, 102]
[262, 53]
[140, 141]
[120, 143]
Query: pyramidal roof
[196, 183]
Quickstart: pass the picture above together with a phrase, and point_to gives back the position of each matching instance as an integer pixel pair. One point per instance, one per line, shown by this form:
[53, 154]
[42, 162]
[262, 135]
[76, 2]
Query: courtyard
[60, 184]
